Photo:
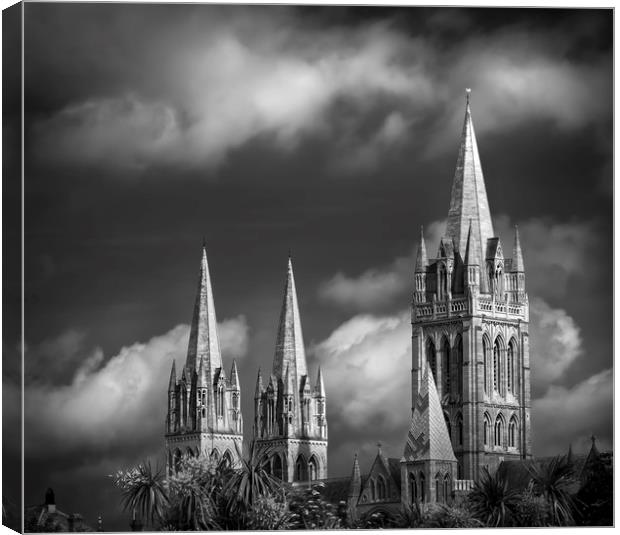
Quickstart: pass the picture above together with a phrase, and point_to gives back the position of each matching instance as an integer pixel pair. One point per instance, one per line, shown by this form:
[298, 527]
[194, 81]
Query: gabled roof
[334, 489]
[446, 248]
[203, 338]
[468, 200]
[428, 437]
[494, 248]
[290, 349]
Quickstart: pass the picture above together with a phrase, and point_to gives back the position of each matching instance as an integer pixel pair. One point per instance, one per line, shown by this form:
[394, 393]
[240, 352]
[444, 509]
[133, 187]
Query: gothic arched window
[227, 459]
[277, 466]
[499, 429]
[381, 488]
[373, 491]
[448, 426]
[496, 367]
[512, 432]
[485, 365]
[301, 469]
[446, 488]
[459, 365]
[510, 367]
[413, 488]
[445, 368]
[438, 489]
[487, 428]
[442, 282]
[422, 487]
[220, 401]
[431, 357]
[235, 400]
[313, 468]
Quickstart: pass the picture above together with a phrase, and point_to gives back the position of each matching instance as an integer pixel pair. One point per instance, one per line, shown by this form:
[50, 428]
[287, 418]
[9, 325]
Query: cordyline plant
[143, 491]
[492, 500]
[552, 480]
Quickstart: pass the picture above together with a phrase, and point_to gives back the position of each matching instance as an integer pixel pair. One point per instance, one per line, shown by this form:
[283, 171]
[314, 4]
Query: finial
[468, 93]
[593, 439]
[379, 446]
[355, 455]
[204, 241]
[290, 254]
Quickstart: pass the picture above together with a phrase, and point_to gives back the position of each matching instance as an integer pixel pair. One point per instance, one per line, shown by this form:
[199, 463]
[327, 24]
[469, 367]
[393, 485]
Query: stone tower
[470, 317]
[290, 424]
[204, 405]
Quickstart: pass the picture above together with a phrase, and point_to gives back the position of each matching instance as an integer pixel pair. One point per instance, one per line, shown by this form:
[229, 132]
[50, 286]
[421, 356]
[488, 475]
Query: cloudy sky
[332, 132]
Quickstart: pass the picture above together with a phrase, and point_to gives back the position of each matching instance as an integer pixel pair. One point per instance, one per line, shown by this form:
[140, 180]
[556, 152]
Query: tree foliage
[492, 500]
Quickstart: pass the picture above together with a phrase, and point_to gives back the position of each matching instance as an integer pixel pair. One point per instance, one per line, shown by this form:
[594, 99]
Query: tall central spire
[290, 350]
[203, 340]
[468, 201]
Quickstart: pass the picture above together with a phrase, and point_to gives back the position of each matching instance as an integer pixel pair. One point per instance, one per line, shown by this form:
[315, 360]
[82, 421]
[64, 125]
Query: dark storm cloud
[236, 74]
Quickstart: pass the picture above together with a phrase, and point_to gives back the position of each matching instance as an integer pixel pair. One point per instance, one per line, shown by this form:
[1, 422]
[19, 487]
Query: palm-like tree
[248, 482]
[492, 501]
[551, 480]
[144, 491]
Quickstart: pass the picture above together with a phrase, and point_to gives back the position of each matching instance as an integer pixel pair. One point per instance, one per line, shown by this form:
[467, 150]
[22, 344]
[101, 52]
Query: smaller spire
[471, 256]
[259, 384]
[320, 385]
[187, 376]
[421, 259]
[234, 376]
[173, 378]
[517, 255]
[356, 479]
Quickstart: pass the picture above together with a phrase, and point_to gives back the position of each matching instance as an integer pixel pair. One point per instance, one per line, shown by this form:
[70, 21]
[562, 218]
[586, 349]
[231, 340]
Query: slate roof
[428, 437]
[468, 200]
[335, 489]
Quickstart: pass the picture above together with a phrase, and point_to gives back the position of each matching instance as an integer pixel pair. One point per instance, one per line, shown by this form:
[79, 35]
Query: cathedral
[470, 372]
[204, 404]
[470, 369]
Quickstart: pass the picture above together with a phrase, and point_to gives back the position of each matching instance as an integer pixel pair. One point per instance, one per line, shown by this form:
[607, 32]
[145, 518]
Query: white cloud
[234, 334]
[379, 287]
[118, 404]
[555, 343]
[552, 251]
[241, 77]
[571, 415]
[368, 358]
